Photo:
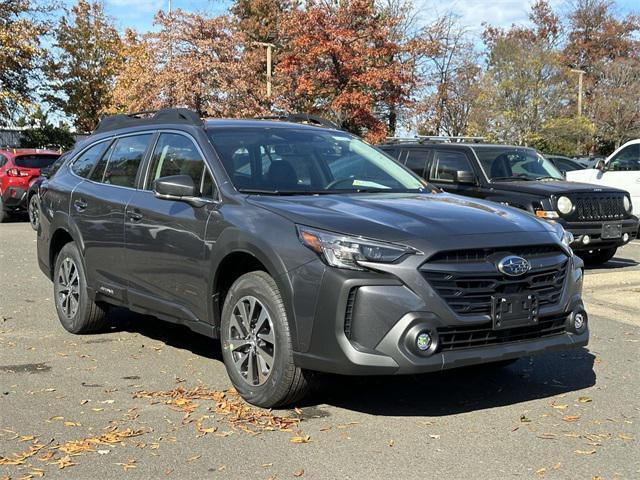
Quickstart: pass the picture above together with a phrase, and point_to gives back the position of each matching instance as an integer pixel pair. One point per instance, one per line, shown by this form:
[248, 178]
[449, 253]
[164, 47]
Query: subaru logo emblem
[514, 266]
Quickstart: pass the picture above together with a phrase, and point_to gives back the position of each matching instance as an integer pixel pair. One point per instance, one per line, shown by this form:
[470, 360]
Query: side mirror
[601, 165]
[465, 177]
[178, 188]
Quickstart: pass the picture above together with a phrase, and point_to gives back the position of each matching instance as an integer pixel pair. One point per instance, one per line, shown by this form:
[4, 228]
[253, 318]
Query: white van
[621, 170]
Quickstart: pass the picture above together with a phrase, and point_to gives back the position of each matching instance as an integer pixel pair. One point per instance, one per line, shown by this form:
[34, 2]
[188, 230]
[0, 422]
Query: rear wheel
[256, 343]
[3, 214]
[34, 211]
[76, 311]
[597, 257]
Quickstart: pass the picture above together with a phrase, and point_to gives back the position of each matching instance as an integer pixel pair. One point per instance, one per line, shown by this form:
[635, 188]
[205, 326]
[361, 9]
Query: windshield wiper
[512, 179]
[548, 177]
[257, 191]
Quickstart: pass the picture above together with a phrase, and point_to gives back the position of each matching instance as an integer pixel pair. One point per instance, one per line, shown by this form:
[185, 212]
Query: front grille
[600, 207]
[456, 338]
[467, 280]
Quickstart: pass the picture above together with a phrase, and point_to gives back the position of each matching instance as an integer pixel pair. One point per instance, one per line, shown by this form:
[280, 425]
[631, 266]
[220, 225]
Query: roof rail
[151, 117]
[435, 139]
[303, 118]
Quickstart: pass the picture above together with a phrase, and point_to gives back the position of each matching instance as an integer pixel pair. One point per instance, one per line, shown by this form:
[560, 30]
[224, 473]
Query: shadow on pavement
[177, 336]
[460, 390]
[435, 394]
[615, 264]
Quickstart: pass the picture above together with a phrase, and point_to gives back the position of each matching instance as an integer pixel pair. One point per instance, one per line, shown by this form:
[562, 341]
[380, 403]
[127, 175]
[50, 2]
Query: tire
[597, 257]
[3, 214]
[246, 351]
[33, 208]
[69, 276]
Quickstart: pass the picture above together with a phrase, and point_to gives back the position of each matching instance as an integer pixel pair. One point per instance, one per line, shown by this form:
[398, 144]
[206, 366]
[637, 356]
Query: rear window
[34, 161]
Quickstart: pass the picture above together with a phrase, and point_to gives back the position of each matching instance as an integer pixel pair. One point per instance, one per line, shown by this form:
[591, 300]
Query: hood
[400, 217]
[550, 187]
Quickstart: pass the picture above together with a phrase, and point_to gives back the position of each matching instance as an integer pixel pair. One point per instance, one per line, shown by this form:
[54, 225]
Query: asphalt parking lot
[151, 400]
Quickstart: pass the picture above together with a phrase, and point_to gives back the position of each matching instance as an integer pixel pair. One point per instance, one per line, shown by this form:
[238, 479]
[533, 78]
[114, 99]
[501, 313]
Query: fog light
[586, 239]
[423, 341]
[625, 237]
[578, 321]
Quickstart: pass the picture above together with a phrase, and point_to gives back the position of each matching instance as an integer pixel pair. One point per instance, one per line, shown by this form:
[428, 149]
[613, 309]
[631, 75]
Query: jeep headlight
[343, 251]
[627, 204]
[565, 205]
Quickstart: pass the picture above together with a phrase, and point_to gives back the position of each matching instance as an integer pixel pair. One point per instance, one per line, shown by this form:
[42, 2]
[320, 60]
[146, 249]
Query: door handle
[80, 205]
[135, 216]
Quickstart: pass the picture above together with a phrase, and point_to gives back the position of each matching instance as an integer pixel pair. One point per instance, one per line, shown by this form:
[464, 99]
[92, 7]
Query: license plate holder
[611, 230]
[514, 310]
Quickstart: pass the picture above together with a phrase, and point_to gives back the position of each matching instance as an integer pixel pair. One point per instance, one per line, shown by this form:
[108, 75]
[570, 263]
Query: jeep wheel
[597, 257]
[34, 211]
[76, 311]
[256, 343]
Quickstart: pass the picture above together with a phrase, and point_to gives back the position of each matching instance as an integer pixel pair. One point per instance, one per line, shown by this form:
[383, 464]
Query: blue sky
[139, 14]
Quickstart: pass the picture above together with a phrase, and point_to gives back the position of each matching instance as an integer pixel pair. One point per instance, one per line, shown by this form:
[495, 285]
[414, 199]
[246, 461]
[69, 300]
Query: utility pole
[580, 75]
[269, 47]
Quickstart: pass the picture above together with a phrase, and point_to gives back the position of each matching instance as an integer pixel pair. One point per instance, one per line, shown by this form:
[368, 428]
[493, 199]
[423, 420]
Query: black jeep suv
[302, 249]
[599, 218]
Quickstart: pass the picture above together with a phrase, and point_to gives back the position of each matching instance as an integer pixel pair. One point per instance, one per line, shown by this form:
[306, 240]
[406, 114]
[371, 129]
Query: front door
[623, 171]
[165, 249]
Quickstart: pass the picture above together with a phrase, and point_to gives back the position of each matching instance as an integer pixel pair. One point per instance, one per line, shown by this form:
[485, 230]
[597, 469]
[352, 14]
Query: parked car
[33, 196]
[621, 170]
[302, 248]
[600, 219]
[18, 169]
[589, 161]
[564, 164]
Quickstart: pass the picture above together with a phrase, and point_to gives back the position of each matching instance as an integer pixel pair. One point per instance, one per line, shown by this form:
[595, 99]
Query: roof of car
[16, 152]
[451, 145]
[257, 123]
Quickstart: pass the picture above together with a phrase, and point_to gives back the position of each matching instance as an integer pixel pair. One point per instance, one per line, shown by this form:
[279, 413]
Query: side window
[208, 189]
[417, 161]
[97, 175]
[628, 159]
[122, 165]
[175, 154]
[85, 162]
[393, 152]
[447, 164]
[3, 160]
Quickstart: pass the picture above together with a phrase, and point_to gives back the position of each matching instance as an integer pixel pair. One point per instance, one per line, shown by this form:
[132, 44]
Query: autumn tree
[525, 78]
[448, 67]
[335, 62]
[21, 54]
[87, 60]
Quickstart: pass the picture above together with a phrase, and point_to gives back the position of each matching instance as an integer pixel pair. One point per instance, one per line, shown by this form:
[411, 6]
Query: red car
[18, 169]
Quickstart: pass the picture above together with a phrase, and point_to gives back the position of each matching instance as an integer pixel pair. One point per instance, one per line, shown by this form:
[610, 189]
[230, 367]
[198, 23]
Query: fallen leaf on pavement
[298, 473]
[63, 462]
[584, 399]
[541, 471]
[571, 418]
[126, 466]
[585, 452]
[298, 439]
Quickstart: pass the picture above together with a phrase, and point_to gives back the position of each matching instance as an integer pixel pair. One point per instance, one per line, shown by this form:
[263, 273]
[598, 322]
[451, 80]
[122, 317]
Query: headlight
[565, 206]
[627, 204]
[345, 252]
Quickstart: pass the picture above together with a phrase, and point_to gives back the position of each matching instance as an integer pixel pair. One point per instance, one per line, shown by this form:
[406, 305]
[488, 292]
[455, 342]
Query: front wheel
[597, 257]
[256, 343]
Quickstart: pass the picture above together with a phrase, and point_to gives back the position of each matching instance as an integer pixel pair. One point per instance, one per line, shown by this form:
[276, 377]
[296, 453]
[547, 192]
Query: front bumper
[593, 230]
[371, 332]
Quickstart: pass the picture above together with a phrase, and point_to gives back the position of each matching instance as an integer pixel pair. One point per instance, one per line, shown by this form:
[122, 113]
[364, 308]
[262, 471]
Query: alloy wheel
[251, 339]
[68, 291]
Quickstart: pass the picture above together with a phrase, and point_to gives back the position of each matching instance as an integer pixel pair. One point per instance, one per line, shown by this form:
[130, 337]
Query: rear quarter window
[35, 161]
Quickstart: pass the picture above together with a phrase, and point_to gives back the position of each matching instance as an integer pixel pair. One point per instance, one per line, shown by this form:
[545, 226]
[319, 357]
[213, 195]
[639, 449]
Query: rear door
[98, 205]
[165, 248]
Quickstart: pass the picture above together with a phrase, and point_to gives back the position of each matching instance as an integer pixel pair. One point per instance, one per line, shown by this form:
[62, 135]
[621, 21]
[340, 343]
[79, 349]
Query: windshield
[34, 161]
[504, 164]
[305, 161]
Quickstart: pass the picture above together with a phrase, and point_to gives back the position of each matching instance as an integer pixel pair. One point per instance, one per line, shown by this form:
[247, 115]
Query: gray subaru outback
[301, 248]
